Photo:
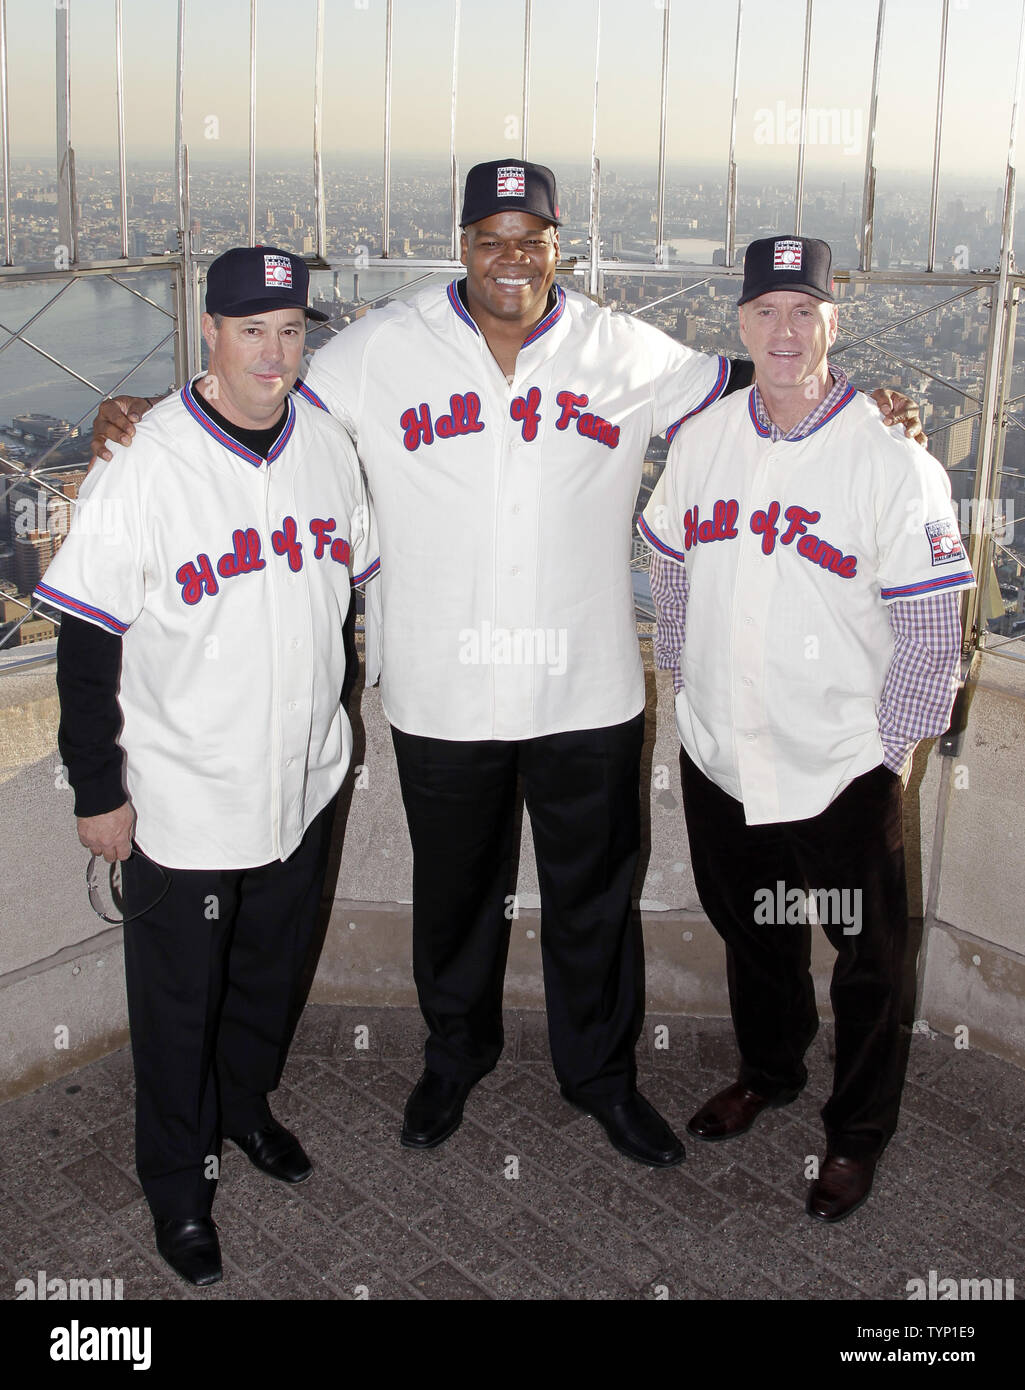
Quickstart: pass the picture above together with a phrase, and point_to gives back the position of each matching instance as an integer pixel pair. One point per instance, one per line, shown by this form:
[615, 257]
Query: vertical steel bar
[252, 122]
[731, 172]
[185, 354]
[453, 164]
[999, 361]
[5, 136]
[67, 213]
[868, 193]
[119, 58]
[594, 220]
[526, 78]
[935, 193]
[660, 205]
[799, 190]
[318, 135]
[386, 230]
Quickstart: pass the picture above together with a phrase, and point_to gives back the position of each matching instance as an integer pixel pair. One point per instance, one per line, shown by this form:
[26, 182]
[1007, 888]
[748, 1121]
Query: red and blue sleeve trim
[722, 377]
[962, 580]
[368, 573]
[656, 543]
[78, 609]
[303, 390]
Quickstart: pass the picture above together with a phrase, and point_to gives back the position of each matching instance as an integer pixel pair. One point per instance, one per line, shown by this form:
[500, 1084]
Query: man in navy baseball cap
[510, 185]
[798, 263]
[256, 279]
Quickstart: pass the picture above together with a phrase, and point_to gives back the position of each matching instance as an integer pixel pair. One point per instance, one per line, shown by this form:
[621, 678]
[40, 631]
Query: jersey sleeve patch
[944, 541]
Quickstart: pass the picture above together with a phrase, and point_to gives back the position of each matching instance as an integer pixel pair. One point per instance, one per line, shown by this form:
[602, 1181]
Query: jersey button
[516, 509]
[752, 738]
[515, 570]
[294, 642]
[746, 681]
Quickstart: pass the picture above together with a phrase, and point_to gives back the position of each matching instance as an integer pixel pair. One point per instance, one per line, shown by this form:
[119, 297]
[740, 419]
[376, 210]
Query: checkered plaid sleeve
[922, 679]
[669, 590]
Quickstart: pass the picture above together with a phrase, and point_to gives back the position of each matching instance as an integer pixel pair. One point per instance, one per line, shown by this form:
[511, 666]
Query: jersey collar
[551, 318]
[232, 445]
[839, 395]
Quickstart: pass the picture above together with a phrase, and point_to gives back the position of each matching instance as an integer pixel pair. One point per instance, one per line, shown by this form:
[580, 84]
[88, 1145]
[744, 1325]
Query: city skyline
[981, 54]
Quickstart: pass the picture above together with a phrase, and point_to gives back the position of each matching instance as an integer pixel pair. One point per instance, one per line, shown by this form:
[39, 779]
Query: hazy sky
[980, 75]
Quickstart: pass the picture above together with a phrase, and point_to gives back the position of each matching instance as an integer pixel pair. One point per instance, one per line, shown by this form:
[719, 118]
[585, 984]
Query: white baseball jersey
[229, 577]
[793, 550]
[505, 510]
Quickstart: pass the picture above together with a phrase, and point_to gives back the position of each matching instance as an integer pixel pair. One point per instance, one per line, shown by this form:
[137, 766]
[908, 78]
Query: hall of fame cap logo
[277, 272]
[786, 255]
[512, 181]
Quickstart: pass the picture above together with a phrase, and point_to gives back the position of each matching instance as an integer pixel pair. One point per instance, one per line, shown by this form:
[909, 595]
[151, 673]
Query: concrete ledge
[978, 985]
[83, 993]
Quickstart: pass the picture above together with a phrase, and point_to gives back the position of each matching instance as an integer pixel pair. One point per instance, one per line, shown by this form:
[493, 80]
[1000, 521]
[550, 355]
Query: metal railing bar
[935, 192]
[119, 64]
[799, 190]
[868, 188]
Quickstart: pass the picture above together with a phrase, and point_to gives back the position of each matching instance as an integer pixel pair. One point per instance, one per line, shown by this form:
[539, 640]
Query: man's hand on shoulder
[110, 834]
[900, 410]
[116, 420]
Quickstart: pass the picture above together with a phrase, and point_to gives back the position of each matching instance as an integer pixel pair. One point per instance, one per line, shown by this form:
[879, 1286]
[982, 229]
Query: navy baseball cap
[788, 263]
[509, 185]
[253, 279]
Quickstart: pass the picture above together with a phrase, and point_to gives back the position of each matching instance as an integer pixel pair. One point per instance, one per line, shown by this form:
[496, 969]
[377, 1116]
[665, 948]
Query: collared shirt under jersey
[794, 547]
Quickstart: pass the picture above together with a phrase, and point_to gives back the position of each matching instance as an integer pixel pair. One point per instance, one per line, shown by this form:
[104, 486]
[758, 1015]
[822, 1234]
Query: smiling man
[209, 624]
[805, 569]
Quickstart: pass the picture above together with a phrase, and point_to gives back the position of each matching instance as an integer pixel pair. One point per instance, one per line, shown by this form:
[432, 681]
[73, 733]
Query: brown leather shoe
[841, 1187]
[733, 1112]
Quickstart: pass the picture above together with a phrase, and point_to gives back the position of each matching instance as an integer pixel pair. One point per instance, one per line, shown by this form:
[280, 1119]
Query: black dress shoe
[635, 1128]
[840, 1188]
[434, 1110]
[733, 1112]
[190, 1247]
[276, 1152]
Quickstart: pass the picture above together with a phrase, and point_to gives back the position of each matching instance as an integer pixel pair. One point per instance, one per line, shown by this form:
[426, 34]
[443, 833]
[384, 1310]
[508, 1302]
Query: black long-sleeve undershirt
[742, 373]
[88, 675]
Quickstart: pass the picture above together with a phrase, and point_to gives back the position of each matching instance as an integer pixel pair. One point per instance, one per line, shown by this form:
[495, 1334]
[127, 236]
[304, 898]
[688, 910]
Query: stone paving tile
[539, 1095]
[944, 1114]
[472, 1247]
[317, 1033]
[117, 1141]
[41, 1186]
[362, 1279]
[739, 1187]
[101, 1182]
[615, 1195]
[287, 1278]
[444, 1281]
[580, 1221]
[612, 1245]
[520, 1281]
[688, 1200]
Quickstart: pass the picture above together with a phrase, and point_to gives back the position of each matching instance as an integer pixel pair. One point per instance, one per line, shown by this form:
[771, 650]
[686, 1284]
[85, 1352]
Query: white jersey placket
[755, 579]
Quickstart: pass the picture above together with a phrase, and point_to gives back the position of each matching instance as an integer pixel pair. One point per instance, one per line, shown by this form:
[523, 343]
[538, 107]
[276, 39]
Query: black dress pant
[582, 793]
[216, 976]
[743, 873]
